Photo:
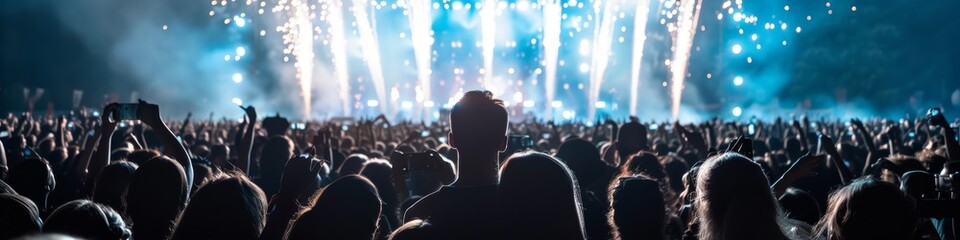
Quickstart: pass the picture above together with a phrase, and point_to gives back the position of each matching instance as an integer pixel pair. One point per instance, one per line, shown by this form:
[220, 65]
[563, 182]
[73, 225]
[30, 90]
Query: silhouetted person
[275, 154]
[868, 209]
[18, 216]
[800, 205]
[348, 208]
[112, 183]
[631, 139]
[226, 207]
[352, 164]
[33, 179]
[465, 209]
[637, 209]
[155, 196]
[594, 176]
[539, 197]
[379, 173]
[86, 219]
[735, 202]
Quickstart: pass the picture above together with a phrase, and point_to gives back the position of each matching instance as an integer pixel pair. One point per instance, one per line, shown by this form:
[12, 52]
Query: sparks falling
[298, 36]
[639, 38]
[552, 11]
[371, 50]
[602, 41]
[686, 29]
[418, 11]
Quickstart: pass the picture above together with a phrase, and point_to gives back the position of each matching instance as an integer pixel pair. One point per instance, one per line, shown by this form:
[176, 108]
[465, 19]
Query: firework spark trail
[298, 37]
[371, 51]
[421, 23]
[689, 14]
[602, 41]
[488, 28]
[639, 38]
[552, 11]
[334, 18]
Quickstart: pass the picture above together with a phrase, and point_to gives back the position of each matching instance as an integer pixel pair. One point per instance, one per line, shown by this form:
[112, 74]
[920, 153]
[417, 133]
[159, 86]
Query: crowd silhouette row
[131, 174]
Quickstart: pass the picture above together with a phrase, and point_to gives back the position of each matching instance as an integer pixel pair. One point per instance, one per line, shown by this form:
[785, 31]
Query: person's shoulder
[420, 209]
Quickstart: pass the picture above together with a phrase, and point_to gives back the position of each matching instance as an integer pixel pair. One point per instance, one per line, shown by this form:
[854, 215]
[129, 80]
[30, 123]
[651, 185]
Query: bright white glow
[371, 50]
[241, 22]
[737, 49]
[428, 104]
[639, 38]
[753, 37]
[528, 104]
[406, 105]
[237, 77]
[373, 103]
[737, 81]
[518, 97]
[584, 47]
[569, 115]
[241, 51]
[798, 29]
[556, 104]
[237, 101]
[737, 111]
[584, 67]
[600, 104]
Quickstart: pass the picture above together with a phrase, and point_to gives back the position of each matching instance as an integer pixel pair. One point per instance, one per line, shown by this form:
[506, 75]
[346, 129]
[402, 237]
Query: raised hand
[803, 167]
[299, 174]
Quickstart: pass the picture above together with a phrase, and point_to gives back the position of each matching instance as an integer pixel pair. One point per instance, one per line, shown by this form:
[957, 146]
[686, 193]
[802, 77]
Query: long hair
[86, 219]
[227, 207]
[735, 202]
[348, 208]
[637, 209]
[539, 196]
[155, 196]
[868, 209]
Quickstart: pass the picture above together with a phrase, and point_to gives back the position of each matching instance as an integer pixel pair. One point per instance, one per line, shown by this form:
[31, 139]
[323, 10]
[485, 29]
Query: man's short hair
[478, 118]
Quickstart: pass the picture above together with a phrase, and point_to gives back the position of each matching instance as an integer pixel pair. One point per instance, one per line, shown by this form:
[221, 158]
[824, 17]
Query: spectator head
[226, 207]
[379, 172]
[638, 210]
[112, 182]
[734, 200]
[868, 209]
[348, 208]
[918, 184]
[33, 179]
[275, 154]
[583, 159]
[19, 216]
[675, 167]
[142, 156]
[478, 123]
[352, 164]
[156, 194]
[800, 205]
[631, 139]
[645, 163]
[540, 196]
[413, 230]
[86, 219]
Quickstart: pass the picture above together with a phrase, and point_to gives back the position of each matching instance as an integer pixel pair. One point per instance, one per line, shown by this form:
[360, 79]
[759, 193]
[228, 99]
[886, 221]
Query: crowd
[131, 174]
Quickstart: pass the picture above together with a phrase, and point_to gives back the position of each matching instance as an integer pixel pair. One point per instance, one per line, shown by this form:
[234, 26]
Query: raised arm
[953, 149]
[150, 115]
[107, 126]
[826, 145]
[801, 168]
[864, 135]
[246, 143]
